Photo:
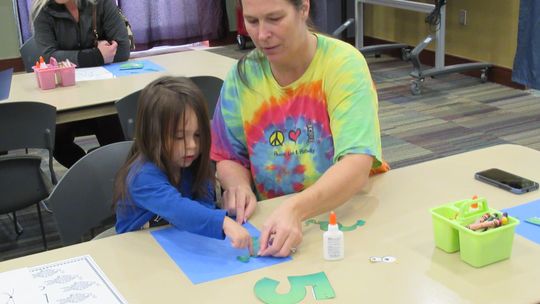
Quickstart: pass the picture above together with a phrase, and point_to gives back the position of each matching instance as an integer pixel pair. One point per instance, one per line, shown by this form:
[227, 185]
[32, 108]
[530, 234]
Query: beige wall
[9, 46]
[490, 34]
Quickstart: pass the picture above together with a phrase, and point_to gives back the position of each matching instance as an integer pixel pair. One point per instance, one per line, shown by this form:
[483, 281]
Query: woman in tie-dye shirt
[296, 115]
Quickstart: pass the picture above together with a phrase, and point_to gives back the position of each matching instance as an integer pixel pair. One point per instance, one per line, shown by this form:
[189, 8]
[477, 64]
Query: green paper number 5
[265, 289]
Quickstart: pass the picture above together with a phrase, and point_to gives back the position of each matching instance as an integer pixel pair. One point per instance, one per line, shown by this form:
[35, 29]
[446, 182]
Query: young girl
[167, 176]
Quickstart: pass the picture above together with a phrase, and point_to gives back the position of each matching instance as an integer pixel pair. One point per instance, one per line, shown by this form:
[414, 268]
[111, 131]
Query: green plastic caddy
[477, 248]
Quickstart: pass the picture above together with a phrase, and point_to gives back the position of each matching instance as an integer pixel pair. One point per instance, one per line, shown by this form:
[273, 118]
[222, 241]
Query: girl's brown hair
[162, 106]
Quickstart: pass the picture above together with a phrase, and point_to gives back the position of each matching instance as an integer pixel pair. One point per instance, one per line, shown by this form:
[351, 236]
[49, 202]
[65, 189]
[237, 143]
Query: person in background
[167, 177]
[63, 29]
[299, 114]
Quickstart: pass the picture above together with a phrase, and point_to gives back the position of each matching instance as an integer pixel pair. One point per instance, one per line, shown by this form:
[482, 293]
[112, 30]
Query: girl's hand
[282, 232]
[239, 236]
[239, 201]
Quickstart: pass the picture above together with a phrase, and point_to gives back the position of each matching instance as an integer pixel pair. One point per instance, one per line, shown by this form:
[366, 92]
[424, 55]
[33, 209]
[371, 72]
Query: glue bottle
[333, 241]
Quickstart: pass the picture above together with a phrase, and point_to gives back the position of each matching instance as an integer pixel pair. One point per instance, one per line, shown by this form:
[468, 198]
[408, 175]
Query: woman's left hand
[282, 232]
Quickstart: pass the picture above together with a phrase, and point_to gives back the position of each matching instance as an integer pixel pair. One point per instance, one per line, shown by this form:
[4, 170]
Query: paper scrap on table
[96, 73]
[147, 66]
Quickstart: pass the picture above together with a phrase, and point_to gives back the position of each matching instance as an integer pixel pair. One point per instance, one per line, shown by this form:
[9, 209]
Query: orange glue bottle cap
[42, 64]
[333, 220]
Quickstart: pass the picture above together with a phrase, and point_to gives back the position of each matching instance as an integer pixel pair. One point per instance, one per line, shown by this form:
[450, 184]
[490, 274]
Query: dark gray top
[58, 35]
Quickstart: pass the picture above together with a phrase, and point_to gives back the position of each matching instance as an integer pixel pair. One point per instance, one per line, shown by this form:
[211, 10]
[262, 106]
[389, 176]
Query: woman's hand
[239, 201]
[239, 236]
[282, 232]
[108, 50]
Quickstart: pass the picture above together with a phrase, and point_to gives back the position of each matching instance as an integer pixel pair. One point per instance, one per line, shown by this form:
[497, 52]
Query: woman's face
[62, 1]
[276, 27]
[186, 140]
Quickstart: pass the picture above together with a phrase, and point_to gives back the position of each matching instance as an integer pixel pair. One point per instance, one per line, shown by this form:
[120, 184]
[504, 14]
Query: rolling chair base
[416, 85]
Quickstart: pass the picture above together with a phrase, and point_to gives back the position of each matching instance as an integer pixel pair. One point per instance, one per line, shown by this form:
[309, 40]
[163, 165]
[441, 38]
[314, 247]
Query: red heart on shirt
[293, 135]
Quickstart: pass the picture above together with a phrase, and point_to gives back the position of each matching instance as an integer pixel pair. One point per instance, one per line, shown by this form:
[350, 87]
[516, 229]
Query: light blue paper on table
[523, 212]
[204, 259]
[148, 67]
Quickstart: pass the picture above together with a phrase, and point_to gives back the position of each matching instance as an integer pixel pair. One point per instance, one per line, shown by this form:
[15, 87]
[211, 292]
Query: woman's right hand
[239, 201]
[238, 235]
[108, 50]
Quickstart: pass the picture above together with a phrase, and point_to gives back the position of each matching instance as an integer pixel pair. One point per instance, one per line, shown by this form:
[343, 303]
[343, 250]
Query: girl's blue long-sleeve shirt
[151, 194]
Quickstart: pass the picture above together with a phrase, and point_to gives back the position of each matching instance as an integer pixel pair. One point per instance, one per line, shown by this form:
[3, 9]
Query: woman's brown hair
[162, 106]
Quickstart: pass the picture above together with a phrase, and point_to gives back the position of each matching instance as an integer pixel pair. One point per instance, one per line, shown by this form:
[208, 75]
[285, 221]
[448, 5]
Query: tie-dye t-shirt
[289, 136]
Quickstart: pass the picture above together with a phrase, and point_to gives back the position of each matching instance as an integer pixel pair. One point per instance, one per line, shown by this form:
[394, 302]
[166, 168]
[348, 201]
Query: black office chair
[82, 200]
[211, 88]
[29, 54]
[127, 106]
[25, 125]
[127, 113]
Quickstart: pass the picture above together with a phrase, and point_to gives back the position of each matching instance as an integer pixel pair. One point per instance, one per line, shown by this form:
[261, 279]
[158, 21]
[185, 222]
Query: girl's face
[186, 140]
[276, 27]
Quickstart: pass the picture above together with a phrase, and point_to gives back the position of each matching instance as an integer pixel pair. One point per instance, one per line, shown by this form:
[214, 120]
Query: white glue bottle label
[333, 241]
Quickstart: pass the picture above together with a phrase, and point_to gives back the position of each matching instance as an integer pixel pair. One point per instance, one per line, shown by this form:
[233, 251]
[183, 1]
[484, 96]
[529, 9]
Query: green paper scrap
[256, 247]
[311, 221]
[352, 227]
[131, 66]
[323, 225]
[243, 258]
[265, 289]
[533, 220]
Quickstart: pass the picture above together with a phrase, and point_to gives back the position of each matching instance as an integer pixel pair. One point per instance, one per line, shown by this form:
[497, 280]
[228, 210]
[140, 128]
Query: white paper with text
[97, 73]
[75, 280]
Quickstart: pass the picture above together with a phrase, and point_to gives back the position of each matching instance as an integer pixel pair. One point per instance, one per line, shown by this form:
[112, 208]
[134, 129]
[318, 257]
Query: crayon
[483, 218]
[487, 224]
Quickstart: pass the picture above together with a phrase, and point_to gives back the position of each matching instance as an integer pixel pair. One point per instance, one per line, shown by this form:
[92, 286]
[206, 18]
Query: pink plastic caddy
[51, 76]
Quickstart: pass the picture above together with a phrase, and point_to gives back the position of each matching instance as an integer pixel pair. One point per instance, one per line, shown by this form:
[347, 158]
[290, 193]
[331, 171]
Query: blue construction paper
[204, 259]
[149, 67]
[523, 212]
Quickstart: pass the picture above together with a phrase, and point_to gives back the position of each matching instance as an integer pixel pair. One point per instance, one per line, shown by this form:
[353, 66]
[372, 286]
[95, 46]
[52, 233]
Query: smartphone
[507, 181]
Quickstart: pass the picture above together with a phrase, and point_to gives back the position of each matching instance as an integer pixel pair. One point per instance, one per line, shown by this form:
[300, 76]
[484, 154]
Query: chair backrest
[22, 183]
[211, 88]
[28, 125]
[127, 113]
[82, 200]
[29, 54]
[127, 106]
